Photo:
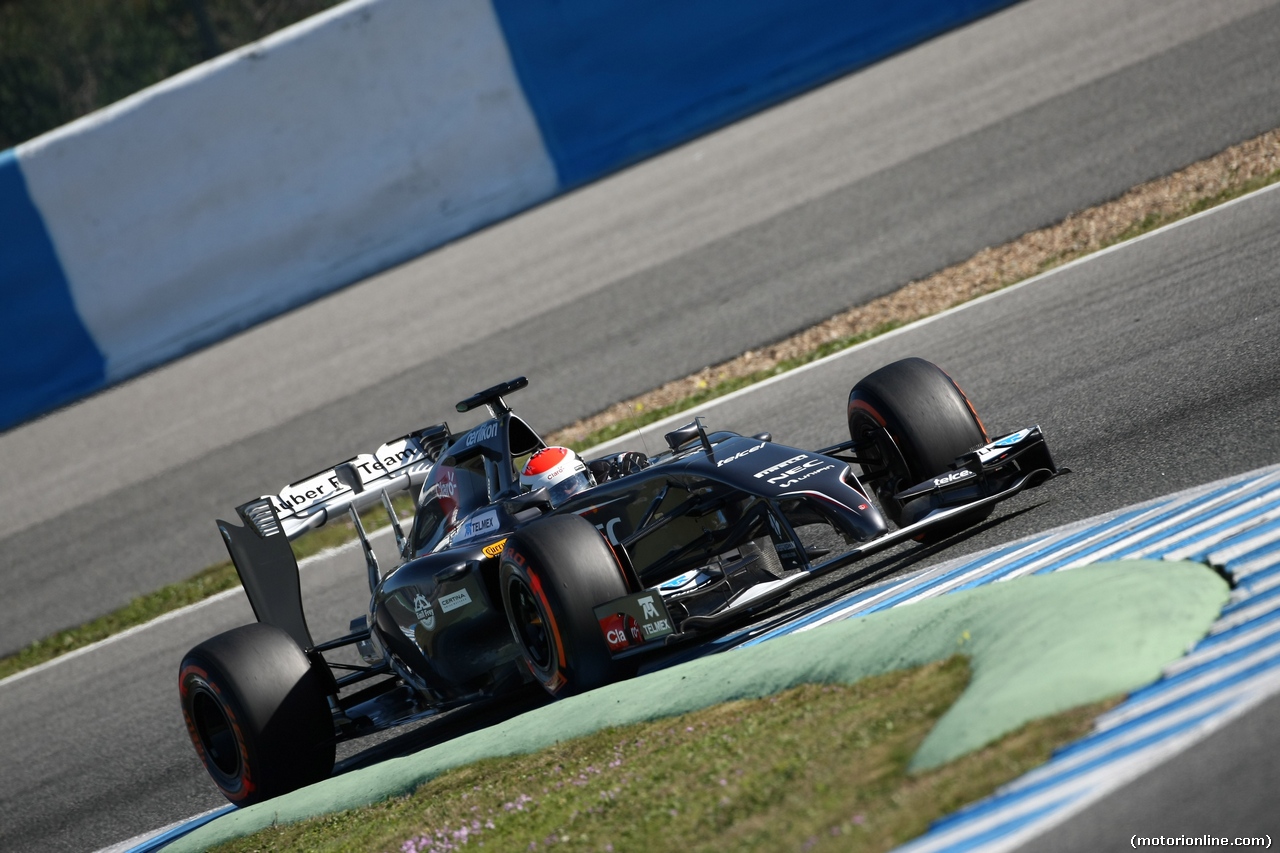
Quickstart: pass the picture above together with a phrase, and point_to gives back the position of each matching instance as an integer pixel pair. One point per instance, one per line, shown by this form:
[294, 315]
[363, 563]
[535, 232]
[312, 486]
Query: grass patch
[819, 767]
[211, 581]
[140, 610]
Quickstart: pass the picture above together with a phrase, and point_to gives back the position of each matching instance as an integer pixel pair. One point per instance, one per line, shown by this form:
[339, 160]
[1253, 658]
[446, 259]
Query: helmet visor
[566, 488]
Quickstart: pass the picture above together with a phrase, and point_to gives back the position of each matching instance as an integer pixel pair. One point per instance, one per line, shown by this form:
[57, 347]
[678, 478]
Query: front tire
[257, 713]
[915, 421]
[553, 574]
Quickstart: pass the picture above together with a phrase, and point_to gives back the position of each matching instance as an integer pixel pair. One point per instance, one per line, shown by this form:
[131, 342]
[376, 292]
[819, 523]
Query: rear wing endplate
[264, 560]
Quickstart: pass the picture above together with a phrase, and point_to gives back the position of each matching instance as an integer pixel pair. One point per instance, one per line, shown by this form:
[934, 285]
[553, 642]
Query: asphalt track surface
[1172, 801]
[732, 241]
[1152, 368]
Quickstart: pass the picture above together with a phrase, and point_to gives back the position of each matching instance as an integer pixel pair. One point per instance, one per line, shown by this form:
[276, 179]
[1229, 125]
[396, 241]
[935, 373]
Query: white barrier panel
[361, 138]
[341, 146]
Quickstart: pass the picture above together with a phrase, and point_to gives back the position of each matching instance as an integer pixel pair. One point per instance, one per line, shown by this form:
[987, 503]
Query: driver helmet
[558, 470]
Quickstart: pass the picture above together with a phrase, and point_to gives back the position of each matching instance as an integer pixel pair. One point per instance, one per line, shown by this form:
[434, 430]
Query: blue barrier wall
[613, 81]
[253, 183]
[46, 355]
[261, 180]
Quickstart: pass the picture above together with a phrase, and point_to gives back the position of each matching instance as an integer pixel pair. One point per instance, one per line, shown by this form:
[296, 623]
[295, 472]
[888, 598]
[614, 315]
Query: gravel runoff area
[1147, 206]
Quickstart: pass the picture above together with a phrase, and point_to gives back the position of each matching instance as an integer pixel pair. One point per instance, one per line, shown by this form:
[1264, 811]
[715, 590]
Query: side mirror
[677, 438]
[537, 499]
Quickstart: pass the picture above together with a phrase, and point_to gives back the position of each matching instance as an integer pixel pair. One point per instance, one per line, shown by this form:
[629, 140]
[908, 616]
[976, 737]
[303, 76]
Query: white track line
[677, 418]
[180, 612]
[683, 417]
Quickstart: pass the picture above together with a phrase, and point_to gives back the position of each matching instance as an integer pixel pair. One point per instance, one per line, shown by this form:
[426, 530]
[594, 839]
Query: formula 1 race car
[499, 586]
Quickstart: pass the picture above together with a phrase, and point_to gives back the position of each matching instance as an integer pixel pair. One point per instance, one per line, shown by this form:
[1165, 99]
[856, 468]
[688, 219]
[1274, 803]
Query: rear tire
[257, 713]
[553, 574]
[930, 422]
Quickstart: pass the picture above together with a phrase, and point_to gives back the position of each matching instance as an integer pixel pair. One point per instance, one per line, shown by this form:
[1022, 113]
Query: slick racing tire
[553, 574]
[257, 713]
[917, 421]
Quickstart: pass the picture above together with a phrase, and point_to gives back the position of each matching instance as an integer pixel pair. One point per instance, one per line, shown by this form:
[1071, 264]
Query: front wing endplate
[634, 620]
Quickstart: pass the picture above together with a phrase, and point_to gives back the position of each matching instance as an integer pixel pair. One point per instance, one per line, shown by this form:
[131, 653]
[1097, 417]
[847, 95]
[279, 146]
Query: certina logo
[954, 476]
[424, 611]
[739, 455]
[484, 432]
[454, 600]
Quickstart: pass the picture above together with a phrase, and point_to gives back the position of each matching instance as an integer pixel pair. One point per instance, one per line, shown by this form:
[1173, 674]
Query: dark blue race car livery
[495, 588]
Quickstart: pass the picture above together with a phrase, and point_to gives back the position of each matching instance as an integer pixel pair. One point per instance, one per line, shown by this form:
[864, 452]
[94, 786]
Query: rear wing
[399, 465]
[260, 549]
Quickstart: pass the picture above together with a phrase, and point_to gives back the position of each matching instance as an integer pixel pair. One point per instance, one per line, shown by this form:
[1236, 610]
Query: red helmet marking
[544, 460]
